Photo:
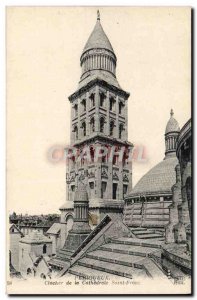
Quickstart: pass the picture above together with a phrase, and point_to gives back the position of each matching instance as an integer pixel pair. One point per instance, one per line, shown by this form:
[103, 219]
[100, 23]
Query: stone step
[128, 249]
[117, 258]
[55, 262]
[112, 268]
[153, 270]
[139, 229]
[137, 242]
[149, 236]
[157, 217]
[91, 274]
[142, 232]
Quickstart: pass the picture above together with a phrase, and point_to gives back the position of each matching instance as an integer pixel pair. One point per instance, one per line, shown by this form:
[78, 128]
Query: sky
[44, 45]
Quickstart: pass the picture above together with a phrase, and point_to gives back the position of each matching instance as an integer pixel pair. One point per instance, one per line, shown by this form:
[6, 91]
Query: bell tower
[99, 132]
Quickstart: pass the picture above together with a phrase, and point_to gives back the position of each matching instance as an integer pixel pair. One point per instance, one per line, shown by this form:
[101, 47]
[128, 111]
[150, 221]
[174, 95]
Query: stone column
[97, 109]
[117, 118]
[108, 114]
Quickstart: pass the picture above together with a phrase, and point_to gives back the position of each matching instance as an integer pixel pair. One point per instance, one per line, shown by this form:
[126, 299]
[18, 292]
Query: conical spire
[98, 39]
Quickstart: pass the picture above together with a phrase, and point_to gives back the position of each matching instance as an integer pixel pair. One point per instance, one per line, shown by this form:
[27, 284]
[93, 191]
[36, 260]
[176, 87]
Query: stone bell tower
[99, 128]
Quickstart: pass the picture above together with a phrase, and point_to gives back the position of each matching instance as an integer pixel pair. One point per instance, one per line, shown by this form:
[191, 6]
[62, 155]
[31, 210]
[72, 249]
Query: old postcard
[99, 197]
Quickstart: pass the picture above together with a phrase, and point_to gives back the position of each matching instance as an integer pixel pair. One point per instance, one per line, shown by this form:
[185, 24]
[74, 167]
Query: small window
[125, 186]
[84, 128]
[44, 249]
[111, 128]
[76, 132]
[92, 151]
[92, 98]
[91, 184]
[120, 107]
[115, 186]
[103, 188]
[84, 104]
[102, 98]
[102, 122]
[111, 104]
[75, 110]
[120, 130]
[92, 125]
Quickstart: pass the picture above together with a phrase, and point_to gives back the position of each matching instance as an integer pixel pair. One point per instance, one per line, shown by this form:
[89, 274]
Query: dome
[98, 39]
[172, 125]
[158, 181]
[81, 193]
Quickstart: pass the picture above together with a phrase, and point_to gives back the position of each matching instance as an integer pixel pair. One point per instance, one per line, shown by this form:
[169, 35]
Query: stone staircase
[147, 233]
[125, 257]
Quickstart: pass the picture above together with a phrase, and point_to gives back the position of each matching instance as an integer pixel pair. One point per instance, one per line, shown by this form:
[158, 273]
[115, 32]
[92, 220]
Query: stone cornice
[100, 82]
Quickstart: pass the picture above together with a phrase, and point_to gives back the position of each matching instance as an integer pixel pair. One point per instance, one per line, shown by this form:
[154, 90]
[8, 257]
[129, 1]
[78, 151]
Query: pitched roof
[16, 229]
[54, 229]
[159, 180]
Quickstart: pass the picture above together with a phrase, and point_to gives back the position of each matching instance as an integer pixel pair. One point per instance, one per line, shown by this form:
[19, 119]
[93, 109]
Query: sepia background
[44, 45]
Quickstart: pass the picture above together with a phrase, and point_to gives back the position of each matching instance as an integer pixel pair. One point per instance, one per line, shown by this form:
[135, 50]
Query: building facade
[32, 249]
[99, 121]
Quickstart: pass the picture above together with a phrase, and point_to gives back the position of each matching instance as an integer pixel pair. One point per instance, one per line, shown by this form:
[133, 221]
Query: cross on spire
[98, 15]
[171, 112]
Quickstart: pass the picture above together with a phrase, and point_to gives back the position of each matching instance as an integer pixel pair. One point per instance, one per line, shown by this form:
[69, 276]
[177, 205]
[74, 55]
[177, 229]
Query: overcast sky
[44, 45]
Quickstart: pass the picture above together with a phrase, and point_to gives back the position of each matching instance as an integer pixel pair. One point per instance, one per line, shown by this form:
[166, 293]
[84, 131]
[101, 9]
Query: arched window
[120, 107]
[120, 130]
[111, 103]
[83, 102]
[111, 128]
[75, 110]
[92, 151]
[76, 132]
[102, 122]
[83, 126]
[102, 98]
[92, 98]
[92, 125]
[44, 249]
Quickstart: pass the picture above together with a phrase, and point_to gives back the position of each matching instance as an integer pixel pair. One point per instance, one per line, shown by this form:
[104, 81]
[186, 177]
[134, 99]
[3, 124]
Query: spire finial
[98, 15]
[171, 112]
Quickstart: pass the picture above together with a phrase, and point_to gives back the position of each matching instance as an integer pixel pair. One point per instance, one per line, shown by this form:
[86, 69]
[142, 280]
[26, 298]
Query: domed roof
[35, 237]
[158, 181]
[98, 38]
[172, 125]
[81, 193]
